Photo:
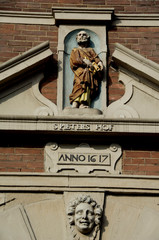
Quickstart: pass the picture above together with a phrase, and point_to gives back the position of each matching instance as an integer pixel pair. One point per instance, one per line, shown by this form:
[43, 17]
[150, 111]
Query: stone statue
[87, 68]
[84, 216]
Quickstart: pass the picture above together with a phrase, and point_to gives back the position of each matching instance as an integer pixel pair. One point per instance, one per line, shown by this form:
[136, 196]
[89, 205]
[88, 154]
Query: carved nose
[85, 215]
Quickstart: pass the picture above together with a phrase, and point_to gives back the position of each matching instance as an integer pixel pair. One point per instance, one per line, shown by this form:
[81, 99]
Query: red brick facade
[21, 159]
[121, 6]
[18, 38]
[141, 162]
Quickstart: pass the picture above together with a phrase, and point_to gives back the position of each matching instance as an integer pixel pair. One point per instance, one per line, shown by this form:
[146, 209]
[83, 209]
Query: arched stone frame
[98, 35]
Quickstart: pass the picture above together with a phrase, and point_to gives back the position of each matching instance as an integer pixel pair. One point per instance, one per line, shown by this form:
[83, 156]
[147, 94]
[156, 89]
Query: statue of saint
[87, 68]
[84, 216]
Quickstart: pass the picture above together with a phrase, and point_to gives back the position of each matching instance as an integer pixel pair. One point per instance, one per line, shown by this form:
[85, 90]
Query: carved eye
[79, 212]
[90, 213]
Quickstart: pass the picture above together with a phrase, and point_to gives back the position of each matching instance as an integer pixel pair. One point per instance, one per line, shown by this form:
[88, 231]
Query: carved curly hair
[84, 199]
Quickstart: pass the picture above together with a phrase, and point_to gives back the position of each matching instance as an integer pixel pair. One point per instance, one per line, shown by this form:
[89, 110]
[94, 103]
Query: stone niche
[94, 22]
[67, 35]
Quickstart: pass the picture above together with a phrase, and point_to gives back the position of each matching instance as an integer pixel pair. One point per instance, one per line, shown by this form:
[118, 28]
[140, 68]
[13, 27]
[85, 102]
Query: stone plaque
[82, 158]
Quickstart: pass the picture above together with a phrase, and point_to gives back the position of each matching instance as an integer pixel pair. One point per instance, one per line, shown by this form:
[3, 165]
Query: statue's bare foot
[75, 105]
[83, 106]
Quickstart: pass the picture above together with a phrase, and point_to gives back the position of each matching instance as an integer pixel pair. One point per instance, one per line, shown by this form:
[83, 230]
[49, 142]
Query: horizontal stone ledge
[32, 18]
[79, 182]
[43, 18]
[76, 14]
[78, 124]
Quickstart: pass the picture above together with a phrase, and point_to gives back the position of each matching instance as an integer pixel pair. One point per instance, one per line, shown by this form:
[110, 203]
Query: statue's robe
[84, 79]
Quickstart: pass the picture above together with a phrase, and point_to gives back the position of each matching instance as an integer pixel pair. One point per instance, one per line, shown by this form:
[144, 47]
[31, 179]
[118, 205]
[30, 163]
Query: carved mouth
[84, 222]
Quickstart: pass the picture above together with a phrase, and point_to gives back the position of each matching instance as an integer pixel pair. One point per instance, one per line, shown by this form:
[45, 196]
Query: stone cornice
[136, 63]
[122, 20]
[24, 62]
[80, 125]
[82, 15]
[26, 18]
[41, 182]
[136, 20]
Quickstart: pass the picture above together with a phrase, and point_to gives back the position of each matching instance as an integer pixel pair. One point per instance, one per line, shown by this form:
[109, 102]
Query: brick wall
[134, 162]
[121, 6]
[21, 159]
[141, 162]
[18, 38]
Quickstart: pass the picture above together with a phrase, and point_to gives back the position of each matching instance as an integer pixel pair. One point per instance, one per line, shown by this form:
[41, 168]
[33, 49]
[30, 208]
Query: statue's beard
[82, 41]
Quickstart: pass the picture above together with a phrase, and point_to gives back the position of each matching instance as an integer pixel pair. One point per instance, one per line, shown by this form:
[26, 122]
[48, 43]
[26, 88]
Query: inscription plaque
[82, 158]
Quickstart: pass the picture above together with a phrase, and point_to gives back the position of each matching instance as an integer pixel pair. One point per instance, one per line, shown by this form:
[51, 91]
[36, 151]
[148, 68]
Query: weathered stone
[82, 158]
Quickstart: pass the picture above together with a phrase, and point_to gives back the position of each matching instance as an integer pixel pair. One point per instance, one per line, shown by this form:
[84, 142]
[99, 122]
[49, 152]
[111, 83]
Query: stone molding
[18, 86]
[82, 15]
[133, 61]
[25, 98]
[140, 77]
[24, 62]
[78, 126]
[32, 18]
[123, 20]
[55, 182]
[136, 20]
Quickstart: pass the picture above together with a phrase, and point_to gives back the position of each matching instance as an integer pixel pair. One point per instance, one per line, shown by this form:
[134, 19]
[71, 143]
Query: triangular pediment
[19, 83]
[141, 79]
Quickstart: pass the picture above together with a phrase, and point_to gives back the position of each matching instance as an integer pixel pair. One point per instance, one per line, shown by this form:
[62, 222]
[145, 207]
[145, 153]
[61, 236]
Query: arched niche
[67, 41]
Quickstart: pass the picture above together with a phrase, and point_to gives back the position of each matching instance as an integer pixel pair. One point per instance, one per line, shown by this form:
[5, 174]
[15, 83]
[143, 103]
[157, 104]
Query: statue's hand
[87, 62]
[100, 65]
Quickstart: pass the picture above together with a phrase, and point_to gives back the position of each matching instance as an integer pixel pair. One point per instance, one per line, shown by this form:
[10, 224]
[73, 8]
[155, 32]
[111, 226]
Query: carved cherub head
[82, 37]
[84, 213]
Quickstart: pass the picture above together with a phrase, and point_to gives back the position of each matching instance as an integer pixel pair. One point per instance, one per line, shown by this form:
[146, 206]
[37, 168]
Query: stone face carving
[87, 68]
[84, 216]
[82, 158]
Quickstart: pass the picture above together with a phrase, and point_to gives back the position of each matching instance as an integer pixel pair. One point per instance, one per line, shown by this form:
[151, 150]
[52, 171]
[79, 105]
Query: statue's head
[82, 37]
[84, 213]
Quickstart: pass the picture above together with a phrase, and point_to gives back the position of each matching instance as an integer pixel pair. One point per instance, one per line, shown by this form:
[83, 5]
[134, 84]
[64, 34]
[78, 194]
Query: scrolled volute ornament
[84, 215]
